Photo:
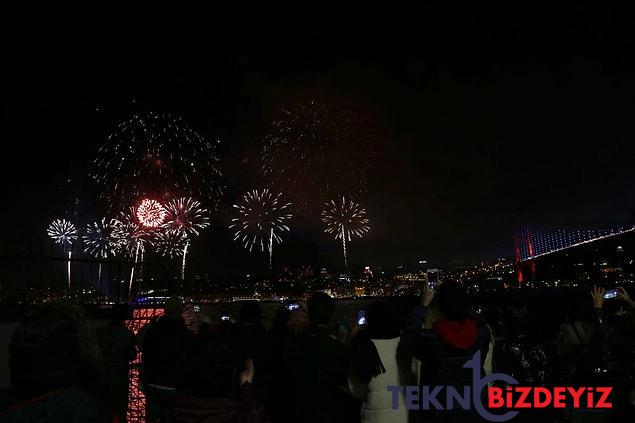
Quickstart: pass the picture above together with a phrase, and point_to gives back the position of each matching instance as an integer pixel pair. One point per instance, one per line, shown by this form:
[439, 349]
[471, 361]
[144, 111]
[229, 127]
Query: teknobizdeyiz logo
[424, 398]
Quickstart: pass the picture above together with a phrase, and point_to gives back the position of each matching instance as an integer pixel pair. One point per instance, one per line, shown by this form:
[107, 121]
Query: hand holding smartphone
[361, 317]
[610, 293]
[293, 306]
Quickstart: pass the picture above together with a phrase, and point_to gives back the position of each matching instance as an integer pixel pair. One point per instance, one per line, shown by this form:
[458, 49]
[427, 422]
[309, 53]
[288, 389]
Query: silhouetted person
[220, 387]
[315, 368]
[376, 363]
[54, 363]
[167, 347]
[118, 347]
[444, 349]
[583, 344]
[251, 341]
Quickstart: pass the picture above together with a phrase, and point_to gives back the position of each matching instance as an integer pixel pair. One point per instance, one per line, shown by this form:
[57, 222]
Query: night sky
[485, 116]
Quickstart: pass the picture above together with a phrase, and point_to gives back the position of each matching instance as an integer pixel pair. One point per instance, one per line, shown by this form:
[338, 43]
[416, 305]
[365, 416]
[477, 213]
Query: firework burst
[345, 220]
[156, 154]
[132, 236]
[315, 152]
[100, 240]
[186, 215]
[64, 233]
[151, 213]
[129, 234]
[262, 217]
[171, 242]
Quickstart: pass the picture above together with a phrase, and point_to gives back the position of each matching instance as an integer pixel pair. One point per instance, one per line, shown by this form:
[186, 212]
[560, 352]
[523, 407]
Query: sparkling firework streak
[100, 242]
[151, 213]
[316, 152]
[64, 233]
[345, 220]
[186, 215]
[262, 217]
[171, 242]
[156, 154]
[132, 236]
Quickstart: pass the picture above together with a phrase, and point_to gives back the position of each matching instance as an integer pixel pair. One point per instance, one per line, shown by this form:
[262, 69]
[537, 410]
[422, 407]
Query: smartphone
[610, 293]
[293, 306]
[361, 317]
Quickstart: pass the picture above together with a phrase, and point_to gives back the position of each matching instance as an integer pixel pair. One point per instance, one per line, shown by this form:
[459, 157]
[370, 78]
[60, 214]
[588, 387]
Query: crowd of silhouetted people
[306, 367]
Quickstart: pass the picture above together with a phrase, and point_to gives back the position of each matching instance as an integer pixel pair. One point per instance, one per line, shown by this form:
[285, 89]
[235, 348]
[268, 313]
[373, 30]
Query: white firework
[171, 242]
[100, 238]
[185, 215]
[262, 218]
[62, 232]
[345, 219]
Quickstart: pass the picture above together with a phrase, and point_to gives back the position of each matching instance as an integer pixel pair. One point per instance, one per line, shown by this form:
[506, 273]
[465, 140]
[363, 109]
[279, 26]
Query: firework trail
[63, 232]
[171, 242]
[262, 217]
[132, 237]
[187, 216]
[98, 239]
[345, 220]
[316, 152]
[156, 154]
[100, 242]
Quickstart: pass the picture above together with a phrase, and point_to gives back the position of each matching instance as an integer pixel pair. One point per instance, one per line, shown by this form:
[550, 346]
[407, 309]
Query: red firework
[151, 213]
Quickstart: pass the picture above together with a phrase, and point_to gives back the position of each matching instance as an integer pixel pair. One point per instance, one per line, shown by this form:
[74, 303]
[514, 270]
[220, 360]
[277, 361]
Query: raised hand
[597, 294]
[427, 295]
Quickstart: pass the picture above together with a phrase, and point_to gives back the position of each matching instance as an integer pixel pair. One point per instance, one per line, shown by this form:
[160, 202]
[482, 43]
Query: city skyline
[526, 129]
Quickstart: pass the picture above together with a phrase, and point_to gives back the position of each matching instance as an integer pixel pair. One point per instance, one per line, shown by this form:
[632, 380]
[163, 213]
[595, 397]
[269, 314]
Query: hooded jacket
[444, 349]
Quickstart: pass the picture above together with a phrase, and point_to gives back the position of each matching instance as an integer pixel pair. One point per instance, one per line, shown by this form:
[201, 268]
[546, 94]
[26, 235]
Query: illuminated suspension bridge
[532, 242]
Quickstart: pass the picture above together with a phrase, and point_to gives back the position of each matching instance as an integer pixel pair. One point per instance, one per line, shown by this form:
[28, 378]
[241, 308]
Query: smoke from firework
[316, 152]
